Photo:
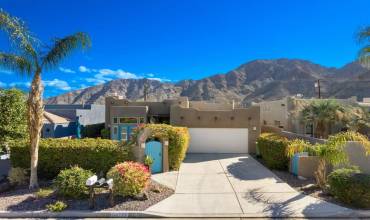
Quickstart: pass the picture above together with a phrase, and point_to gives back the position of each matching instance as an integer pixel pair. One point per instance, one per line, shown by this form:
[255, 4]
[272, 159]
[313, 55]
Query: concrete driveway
[235, 185]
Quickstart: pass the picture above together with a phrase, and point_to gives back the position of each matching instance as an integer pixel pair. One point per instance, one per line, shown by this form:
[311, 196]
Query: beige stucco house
[286, 113]
[213, 127]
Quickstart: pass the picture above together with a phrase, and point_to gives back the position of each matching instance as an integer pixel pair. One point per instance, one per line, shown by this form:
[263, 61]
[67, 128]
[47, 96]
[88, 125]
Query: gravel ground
[21, 199]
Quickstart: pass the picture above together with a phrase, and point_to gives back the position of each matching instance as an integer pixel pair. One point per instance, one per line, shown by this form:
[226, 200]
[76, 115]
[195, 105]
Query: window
[124, 134]
[115, 130]
[115, 120]
[277, 123]
[127, 120]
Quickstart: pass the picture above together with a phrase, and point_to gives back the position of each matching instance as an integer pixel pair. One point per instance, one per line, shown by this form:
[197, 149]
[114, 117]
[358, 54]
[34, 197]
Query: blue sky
[173, 39]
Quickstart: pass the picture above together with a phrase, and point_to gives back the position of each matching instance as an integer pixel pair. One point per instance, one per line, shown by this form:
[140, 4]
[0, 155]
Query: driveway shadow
[246, 168]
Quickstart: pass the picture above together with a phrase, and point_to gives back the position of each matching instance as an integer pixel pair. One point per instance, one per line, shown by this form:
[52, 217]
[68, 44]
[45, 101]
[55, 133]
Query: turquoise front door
[154, 150]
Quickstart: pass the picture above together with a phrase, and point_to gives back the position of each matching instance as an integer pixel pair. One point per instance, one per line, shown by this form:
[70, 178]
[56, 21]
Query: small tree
[13, 121]
[323, 114]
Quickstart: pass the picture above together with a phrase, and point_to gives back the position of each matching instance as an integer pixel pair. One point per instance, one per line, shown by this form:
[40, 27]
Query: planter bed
[306, 186]
[21, 199]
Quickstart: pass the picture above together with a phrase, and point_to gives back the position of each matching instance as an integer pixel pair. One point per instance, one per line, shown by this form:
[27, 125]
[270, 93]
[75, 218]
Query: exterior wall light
[232, 118]
[181, 117]
[249, 118]
[198, 117]
[216, 118]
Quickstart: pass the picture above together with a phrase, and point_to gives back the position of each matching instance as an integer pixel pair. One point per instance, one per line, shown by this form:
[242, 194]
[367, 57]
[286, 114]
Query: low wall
[291, 135]
[357, 156]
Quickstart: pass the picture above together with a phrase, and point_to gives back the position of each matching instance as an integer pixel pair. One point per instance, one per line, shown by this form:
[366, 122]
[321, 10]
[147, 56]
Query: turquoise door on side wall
[154, 150]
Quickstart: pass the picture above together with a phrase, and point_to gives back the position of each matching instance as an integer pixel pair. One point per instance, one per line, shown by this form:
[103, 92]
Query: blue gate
[154, 150]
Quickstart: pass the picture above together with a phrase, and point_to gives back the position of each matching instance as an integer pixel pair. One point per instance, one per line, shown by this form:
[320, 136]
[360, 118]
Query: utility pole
[318, 86]
[146, 88]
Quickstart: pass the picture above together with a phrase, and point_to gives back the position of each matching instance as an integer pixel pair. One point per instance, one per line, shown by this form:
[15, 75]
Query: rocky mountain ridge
[254, 81]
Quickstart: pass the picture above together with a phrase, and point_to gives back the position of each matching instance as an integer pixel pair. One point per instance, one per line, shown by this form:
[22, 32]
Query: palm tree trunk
[35, 114]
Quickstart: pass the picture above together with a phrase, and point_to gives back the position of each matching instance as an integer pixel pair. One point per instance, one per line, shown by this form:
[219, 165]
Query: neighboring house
[86, 114]
[286, 114]
[213, 127]
[56, 126]
[62, 120]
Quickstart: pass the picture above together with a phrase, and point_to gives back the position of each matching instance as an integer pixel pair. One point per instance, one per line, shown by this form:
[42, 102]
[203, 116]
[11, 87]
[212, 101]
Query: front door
[154, 150]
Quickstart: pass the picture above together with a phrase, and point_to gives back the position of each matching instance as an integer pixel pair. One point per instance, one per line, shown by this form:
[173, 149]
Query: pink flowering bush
[129, 178]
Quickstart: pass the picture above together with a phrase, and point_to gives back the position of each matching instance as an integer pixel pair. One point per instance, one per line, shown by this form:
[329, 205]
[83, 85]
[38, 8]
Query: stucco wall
[274, 111]
[357, 156]
[237, 118]
[95, 115]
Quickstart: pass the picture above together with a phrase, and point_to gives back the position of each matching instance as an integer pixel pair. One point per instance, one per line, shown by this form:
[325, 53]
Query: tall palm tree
[29, 58]
[364, 38]
[322, 114]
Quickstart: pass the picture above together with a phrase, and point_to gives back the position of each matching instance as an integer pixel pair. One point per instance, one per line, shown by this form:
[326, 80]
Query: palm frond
[18, 34]
[364, 56]
[364, 35]
[16, 63]
[63, 47]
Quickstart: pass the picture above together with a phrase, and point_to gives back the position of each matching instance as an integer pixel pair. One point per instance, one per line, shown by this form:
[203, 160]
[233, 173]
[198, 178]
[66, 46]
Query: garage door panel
[218, 140]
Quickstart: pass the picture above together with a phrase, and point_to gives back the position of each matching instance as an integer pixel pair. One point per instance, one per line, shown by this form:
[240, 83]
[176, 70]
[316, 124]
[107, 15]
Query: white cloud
[7, 72]
[2, 84]
[150, 74]
[84, 69]
[20, 84]
[160, 79]
[105, 75]
[66, 70]
[57, 83]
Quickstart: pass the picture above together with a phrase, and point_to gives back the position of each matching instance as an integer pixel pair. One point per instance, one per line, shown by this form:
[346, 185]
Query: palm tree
[30, 60]
[364, 38]
[322, 114]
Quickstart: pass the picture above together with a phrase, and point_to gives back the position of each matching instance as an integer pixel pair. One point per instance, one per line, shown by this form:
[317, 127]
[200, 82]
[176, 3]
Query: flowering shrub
[129, 178]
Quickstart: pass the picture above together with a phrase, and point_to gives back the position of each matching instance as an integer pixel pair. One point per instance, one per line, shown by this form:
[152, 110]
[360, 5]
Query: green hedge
[350, 186]
[178, 140]
[98, 155]
[273, 148]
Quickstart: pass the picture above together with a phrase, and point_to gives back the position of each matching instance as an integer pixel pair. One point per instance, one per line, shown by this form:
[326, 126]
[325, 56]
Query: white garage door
[218, 140]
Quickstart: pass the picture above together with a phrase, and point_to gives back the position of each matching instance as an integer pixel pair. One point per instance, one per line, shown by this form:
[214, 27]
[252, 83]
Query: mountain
[254, 81]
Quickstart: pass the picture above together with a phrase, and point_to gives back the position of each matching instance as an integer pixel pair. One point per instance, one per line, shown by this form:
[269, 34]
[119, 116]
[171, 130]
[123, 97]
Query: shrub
[178, 139]
[58, 206]
[44, 193]
[272, 148]
[129, 178]
[350, 186]
[297, 146]
[71, 182]
[18, 176]
[97, 155]
[105, 133]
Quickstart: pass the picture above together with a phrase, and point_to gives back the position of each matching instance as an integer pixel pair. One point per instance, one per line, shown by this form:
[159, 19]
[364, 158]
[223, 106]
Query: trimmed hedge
[273, 148]
[350, 186]
[97, 155]
[178, 140]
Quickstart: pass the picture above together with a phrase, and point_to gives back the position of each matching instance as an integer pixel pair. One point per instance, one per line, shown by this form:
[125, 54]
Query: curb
[78, 214]
[146, 214]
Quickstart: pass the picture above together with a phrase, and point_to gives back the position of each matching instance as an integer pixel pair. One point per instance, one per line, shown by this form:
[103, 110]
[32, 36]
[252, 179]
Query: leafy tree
[364, 38]
[323, 114]
[13, 122]
[32, 59]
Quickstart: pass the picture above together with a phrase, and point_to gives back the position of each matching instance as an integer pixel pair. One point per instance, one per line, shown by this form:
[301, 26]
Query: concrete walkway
[235, 185]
